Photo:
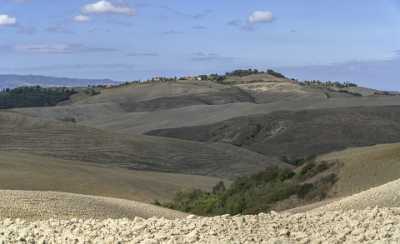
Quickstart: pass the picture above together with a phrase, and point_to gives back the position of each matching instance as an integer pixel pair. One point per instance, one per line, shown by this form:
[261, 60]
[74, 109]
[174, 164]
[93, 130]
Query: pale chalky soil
[365, 226]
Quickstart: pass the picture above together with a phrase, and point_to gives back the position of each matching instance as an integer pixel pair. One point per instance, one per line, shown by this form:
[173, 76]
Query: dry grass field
[300, 134]
[44, 205]
[382, 196]
[111, 116]
[20, 171]
[364, 167]
[24, 134]
[139, 108]
[98, 145]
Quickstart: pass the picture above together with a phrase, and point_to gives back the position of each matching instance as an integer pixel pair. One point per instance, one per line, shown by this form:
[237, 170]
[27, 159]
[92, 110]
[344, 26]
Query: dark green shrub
[252, 194]
[157, 203]
[33, 96]
[219, 188]
[242, 72]
[307, 168]
[304, 190]
[274, 73]
[312, 169]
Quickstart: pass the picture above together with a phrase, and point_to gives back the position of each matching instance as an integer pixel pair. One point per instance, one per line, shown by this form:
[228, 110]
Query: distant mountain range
[12, 81]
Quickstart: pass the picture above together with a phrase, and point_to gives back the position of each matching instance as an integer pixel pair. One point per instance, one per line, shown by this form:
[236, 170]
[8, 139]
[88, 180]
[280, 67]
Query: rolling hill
[44, 205]
[66, 140]
[12, 81]
[362, 168]
[366, 177]
[383, 196]
[300, 134]
[20, 171]
[139, 108]
[157, 137]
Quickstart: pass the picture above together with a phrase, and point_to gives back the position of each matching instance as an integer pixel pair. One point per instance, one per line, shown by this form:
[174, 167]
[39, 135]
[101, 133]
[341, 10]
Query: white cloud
[20, 1]
[16, 1]
[81, 18]
[143, 54]
[59, 48]
[105, 7]
[43, 48]
[207, 57]
[261, 17]
[6, 20]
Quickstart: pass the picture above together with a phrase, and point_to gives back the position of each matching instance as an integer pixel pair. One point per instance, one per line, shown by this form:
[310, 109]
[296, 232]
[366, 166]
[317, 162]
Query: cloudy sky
[357, 40]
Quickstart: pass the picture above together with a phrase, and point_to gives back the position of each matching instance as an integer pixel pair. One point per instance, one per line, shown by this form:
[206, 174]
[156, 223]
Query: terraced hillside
[300, 134]
[64, 140]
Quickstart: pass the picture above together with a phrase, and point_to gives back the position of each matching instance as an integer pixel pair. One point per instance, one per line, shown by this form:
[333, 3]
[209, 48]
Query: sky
[357, 40]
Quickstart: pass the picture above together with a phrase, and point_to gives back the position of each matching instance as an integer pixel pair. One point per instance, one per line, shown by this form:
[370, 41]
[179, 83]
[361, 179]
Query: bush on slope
[258, 193]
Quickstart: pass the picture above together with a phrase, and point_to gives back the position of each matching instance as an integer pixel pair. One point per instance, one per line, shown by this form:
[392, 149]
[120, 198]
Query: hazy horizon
[129, 40]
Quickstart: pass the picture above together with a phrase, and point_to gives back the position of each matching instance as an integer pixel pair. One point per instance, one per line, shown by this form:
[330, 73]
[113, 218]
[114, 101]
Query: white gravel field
[35, 217]
[361, 226]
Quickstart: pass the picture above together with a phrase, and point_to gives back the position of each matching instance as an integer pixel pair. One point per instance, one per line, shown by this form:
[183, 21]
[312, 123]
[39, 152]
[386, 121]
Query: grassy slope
[112, 117]
[148, 91]
[365, 167]
[43, 205]
[168, 95]
[139, 108]
[30, 172]
[110, 111]
[301, 134]
[70, 141]
[385, 195]
[367, 177]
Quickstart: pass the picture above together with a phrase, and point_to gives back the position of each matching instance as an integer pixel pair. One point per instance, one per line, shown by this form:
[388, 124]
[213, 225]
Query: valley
[276, 144]
[199, 122]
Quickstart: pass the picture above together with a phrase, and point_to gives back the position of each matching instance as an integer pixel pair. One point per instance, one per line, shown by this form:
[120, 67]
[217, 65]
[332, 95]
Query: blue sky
[356, 40]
